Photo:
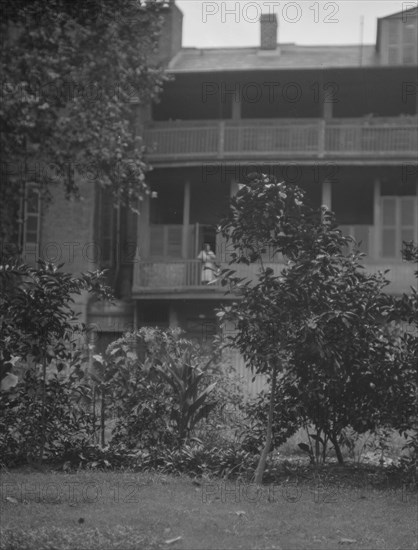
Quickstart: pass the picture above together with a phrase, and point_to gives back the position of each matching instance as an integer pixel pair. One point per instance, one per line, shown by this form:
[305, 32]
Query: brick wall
[171, 35]
[67, 234]
[268, 31]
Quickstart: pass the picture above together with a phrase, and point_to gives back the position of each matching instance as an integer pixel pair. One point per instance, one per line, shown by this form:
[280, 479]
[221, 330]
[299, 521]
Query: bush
[39, 327]
[197, 459]
[158, 387]
[227, 419]
[286, 420]
[32, 418]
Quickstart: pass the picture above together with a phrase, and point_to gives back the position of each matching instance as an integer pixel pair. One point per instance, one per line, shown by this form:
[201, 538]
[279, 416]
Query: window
[409, 43]
[399, 223]
[394, 31]
[401, 41]
[31, 209]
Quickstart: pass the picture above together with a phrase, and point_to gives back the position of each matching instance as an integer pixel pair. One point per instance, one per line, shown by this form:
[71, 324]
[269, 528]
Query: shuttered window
[409, 43]
[166, 241]
[399, 223]
[401, 41]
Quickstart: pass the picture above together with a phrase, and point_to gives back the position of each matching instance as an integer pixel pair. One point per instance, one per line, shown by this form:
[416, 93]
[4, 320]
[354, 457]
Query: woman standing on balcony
[208, 258]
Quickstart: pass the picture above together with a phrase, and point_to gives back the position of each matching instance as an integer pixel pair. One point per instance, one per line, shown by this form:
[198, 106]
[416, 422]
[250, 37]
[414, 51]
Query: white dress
[208, 265]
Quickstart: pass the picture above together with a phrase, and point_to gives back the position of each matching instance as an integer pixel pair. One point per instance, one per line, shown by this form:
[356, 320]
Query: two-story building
[339, 121]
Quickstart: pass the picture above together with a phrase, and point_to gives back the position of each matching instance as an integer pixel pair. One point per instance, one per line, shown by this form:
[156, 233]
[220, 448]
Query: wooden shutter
[399, 223]
[174, 240]
[156, 241]
[394, 41]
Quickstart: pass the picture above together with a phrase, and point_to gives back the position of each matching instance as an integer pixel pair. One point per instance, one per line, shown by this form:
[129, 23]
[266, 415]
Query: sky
[229, 23]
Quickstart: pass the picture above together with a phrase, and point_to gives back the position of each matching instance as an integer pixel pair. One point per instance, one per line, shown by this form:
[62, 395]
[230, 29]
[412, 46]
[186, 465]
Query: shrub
[227, 419]
[194, 458]
[286, 419]
[67, 424]
[158, 387]
[40, 327]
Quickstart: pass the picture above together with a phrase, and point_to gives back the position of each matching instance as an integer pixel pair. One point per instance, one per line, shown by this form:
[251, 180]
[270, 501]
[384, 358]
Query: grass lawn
[97, 510]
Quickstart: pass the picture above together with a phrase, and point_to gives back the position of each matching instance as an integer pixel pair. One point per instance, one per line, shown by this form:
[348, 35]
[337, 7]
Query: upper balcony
[364, 139]
[182, 278]
[176, 278]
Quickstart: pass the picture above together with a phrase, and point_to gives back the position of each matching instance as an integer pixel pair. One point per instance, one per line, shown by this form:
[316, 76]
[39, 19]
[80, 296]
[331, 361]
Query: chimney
[171, 34]
[268, 31]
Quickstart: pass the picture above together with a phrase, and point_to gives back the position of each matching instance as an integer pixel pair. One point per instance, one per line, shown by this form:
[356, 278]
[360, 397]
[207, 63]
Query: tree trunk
[93, 419]
[324, 449]
[258, 478]
[317, 449]
[340, 458]
[43, 415]
[102, 419]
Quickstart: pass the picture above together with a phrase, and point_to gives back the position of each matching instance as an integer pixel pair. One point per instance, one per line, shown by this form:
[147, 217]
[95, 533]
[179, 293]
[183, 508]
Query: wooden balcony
[182, 278]
[267, 139]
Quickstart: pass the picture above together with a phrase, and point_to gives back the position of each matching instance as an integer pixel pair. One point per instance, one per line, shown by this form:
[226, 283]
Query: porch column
[326, 97]
[327, 194]
[377, 219]
[143, 236]
[186, 221]
[233, 189]
[327, 106]
[236, 106]
[223, 252]
[173, 320]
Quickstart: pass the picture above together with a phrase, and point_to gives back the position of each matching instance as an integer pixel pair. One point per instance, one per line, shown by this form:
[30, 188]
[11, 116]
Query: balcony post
[321, 138]
[186, 220]
[221, 139]
[377, 220]
[143, 228]
[236, 106]
[327, 194]
[173, 320]
[325, 98]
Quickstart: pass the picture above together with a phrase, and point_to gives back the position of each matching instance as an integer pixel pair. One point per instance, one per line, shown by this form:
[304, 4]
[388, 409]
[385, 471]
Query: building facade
[339, 121]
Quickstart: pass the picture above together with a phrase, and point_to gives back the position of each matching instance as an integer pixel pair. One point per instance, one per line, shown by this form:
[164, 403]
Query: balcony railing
[282, 138]
[182, 276]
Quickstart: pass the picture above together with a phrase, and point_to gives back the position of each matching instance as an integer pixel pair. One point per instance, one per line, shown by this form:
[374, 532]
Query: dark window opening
[353, 202]
[167, 206]
[103, 339]
[154, 313]
[391, 188]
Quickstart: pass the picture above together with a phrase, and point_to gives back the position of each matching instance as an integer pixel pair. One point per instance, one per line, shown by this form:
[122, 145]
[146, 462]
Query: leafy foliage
[286, 419]
[159, 387]
[194, 458]
[58, 420]
[37, 319]
[40, 332]
[322, 319]
[75, 76]
[405, 418]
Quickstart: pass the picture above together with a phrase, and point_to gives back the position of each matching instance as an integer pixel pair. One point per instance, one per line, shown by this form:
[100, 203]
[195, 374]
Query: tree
[159, 386]
[38, 324]
[405, 313]
[75, 76]
[319, 323]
